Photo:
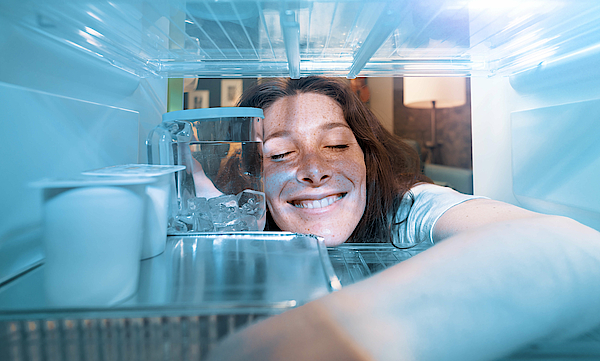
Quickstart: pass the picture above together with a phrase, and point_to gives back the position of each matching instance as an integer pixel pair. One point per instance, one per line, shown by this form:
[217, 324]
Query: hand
[304, 333]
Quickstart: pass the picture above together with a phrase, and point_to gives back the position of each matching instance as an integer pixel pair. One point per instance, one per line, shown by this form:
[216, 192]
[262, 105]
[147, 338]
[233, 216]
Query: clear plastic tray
[354, 262]
[200, 289]
[212, 271]
[141, 329]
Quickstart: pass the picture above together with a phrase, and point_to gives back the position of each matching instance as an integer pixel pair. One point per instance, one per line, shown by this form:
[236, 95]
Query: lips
[317, 203]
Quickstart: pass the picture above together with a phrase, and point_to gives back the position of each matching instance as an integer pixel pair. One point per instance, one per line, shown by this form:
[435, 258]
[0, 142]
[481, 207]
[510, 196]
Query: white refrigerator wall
[536, 138]
[63, 112]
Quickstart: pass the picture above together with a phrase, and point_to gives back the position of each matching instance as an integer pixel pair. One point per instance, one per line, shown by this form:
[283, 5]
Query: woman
[504, 277]
[317, 127]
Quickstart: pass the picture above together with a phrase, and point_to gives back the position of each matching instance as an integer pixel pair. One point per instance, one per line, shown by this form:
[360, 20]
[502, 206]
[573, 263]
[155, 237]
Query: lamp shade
[447, 92]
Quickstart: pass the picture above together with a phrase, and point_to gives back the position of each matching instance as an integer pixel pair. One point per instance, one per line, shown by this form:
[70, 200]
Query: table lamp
[432, 93]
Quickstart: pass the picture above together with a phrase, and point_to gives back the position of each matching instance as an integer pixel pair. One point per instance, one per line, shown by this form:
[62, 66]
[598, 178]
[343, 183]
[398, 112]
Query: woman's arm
[503, 278]
[475, 213]
[480, 294]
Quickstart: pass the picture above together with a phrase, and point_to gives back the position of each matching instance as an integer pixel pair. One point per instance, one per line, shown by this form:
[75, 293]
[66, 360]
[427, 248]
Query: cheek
[275, 179]
[357, 171]
[354, 168]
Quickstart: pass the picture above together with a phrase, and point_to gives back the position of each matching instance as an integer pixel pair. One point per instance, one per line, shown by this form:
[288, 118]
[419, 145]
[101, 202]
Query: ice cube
[197, 205]
[235, 225]
[176, 226]
[196, 222]
[250, 223]
[202, 223]
[244, 223]
[252, 203]
[187, 220]
[223, 208]
[197, 215]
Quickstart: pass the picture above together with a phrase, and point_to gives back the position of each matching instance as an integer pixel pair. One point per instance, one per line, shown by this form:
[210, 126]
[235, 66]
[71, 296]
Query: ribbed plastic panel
[115, 339]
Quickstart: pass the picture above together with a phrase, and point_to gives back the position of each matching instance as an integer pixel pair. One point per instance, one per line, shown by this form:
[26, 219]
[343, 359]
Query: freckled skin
[310, 154]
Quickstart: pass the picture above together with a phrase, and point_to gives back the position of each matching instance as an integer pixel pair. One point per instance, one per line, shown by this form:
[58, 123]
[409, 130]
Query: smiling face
[314, 169]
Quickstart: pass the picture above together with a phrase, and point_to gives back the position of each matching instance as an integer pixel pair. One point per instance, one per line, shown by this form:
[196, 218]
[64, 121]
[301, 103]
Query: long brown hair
[392, 166]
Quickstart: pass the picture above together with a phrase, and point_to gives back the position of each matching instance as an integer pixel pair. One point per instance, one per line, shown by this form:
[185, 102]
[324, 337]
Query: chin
[332, 242]
[334, 224]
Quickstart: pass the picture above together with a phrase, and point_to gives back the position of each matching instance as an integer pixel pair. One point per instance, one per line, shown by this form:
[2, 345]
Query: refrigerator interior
[83, 82]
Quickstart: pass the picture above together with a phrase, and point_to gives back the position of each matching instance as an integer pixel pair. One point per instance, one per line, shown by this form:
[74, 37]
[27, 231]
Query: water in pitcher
[224, 186]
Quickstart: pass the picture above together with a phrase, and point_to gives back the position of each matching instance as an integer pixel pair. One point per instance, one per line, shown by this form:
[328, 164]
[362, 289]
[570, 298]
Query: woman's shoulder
[423, 205]
[424, 187]
[429, 193]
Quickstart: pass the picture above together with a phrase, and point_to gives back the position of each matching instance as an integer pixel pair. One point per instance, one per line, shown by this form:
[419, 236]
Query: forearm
[478, 295]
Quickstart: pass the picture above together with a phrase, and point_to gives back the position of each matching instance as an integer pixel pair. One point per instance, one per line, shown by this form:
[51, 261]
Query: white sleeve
[420, 209]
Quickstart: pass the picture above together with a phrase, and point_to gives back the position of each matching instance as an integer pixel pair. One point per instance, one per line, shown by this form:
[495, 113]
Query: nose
[313, 170]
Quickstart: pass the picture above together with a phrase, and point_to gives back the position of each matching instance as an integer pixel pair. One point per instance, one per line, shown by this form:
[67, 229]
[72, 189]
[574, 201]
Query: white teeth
[319, 203]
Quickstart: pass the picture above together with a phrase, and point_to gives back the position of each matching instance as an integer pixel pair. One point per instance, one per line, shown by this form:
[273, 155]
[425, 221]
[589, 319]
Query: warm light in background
[432, 93]
[446, 92]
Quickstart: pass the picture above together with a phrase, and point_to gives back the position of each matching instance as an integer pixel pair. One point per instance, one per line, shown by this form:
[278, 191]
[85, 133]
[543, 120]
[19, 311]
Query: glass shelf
[245, 38]
[175, 323]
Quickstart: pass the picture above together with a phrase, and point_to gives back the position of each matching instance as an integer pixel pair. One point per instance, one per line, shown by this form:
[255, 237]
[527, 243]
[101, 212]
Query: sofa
[456, 178]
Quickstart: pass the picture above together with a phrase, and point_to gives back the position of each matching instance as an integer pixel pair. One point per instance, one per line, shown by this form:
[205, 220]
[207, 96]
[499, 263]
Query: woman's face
[315, 173]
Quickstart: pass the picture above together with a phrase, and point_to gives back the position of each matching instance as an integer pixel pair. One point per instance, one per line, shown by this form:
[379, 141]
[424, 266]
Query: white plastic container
[159, 200]
[92, 239]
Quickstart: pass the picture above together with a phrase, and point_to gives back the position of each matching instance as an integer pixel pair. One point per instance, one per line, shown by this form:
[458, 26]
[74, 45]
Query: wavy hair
[392, 166]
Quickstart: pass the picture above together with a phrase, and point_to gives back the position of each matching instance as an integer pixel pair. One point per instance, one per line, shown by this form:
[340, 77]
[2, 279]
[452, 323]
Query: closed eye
[338, 146]
[280, 156]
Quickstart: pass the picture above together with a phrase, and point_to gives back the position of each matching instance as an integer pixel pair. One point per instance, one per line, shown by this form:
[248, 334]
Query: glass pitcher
[221, 189]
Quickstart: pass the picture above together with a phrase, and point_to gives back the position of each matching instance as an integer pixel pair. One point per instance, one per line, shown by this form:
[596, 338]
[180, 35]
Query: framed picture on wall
[231, 91]
[198, 99]
[189, 84]
[194, 98]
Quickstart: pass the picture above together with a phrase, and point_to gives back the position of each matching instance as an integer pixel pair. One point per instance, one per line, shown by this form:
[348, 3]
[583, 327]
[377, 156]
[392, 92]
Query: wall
[213, 87]
[381, 101]
[453, 128]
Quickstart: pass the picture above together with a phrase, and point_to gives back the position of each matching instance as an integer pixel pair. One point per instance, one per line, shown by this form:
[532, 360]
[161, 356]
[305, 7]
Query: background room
[448, 162]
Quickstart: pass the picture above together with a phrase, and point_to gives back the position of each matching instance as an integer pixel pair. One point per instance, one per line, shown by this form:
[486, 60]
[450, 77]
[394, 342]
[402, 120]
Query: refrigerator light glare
[523, 39]
[94, 16]
[93, 32]
[534, 58]
[589, 49]
[506, 4]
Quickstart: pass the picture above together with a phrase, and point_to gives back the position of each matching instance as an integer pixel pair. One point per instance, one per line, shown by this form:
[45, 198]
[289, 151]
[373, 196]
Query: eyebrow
[333, 125]
[279, 134]
[285, 133]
